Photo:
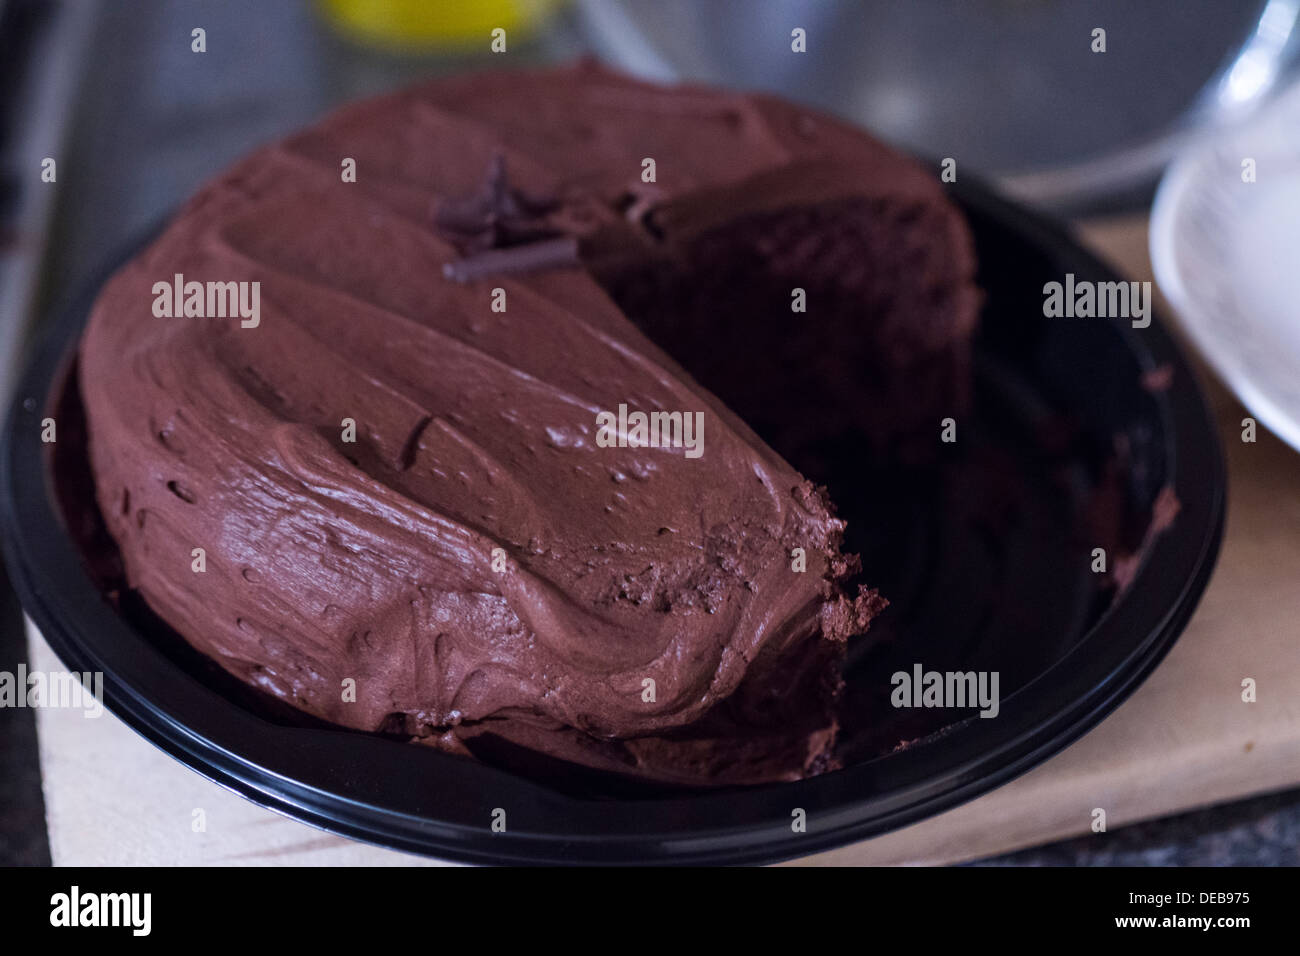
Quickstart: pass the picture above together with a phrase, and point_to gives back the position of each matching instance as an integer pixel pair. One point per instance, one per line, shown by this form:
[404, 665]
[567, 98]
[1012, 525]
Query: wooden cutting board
[1185, 739]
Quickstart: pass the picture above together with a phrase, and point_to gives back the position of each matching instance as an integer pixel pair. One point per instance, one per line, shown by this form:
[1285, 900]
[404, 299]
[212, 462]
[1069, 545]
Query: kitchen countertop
[149, 118]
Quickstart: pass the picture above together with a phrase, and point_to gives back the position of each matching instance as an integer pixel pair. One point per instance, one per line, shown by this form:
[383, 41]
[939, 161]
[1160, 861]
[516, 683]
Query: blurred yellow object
[435, 23]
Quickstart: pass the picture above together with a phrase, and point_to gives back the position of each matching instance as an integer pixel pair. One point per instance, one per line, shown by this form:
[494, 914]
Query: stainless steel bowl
[1011, 88]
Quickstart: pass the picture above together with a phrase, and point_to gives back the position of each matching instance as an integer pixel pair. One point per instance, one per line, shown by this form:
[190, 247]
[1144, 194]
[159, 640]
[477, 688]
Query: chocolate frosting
[373, 561]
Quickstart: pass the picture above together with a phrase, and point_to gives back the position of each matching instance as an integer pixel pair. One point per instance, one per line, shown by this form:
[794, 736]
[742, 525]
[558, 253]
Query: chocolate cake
[387, 492]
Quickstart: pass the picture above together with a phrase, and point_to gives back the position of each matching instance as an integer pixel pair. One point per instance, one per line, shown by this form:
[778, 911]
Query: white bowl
[1226, 254]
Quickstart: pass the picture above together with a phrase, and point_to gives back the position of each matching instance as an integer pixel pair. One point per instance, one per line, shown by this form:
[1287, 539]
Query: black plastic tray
[972, 589]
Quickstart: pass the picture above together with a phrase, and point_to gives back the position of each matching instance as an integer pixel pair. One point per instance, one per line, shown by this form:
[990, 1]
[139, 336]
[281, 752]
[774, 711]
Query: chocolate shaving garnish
[498, 217]
[503, 230]
[548, 254]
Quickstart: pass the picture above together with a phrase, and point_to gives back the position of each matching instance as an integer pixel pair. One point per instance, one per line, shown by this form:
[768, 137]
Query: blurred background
[137, 121]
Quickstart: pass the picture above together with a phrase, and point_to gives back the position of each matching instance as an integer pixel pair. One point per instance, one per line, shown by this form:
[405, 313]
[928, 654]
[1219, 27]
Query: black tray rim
[296, 771]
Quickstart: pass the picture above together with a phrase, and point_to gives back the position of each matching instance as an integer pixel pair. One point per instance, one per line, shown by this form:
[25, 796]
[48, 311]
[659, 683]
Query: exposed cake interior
[819, 324]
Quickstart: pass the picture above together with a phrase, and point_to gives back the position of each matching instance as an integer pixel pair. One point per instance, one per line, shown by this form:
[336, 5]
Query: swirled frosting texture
[372, 561]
